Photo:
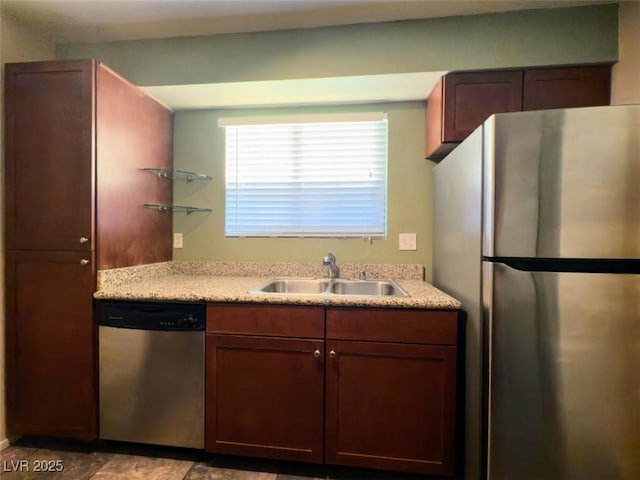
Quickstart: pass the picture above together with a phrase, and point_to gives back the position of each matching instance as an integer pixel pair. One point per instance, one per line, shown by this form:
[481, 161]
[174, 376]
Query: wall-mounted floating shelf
[176, 208]
[173, 174]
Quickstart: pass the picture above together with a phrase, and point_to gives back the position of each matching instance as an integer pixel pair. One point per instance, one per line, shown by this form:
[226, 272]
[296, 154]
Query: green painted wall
[534, 37]
[199, 146]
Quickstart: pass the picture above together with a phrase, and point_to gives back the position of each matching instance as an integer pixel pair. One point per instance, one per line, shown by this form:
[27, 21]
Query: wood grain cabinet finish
[265, 397]
[76, 137]
[76, 134]
[381, 394]
[461, 101]
[50, 344]
[265, 388]
[267, 320]
[471, 98]
[391, 401]
[391, 406]
[49, 155]
[566, 87]
[133, 131]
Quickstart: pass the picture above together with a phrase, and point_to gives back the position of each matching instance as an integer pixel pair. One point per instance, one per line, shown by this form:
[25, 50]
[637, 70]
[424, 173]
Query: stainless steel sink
[384, 288]
[294, 285]
[325, 286]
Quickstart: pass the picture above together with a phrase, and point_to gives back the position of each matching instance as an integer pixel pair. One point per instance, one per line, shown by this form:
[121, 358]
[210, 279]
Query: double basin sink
[326, 286]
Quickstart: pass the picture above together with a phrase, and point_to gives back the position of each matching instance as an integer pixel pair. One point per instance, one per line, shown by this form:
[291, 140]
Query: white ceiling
[112, 20]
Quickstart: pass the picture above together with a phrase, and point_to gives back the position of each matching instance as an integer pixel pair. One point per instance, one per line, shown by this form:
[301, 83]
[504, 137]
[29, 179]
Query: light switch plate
[407, 241]
[177, 240]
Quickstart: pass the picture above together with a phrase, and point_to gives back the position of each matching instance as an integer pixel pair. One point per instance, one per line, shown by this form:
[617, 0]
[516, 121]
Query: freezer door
[563, 183]
[562, 367]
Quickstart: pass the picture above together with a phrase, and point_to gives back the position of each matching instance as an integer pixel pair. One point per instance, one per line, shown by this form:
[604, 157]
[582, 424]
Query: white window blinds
[322, 179]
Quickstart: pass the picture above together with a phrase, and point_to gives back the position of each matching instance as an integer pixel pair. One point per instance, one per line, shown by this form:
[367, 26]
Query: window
[313, 178]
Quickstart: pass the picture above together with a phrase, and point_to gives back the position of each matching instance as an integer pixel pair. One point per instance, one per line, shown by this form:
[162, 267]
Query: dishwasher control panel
[152, 315]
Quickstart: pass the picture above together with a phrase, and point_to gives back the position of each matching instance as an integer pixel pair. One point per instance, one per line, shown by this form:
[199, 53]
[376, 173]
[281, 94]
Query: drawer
[439, 327]
[270, 320]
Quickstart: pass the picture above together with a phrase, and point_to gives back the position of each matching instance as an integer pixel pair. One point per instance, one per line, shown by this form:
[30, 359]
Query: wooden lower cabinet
[363, 387]
[51, 342]
[265, 397]
[391, 406]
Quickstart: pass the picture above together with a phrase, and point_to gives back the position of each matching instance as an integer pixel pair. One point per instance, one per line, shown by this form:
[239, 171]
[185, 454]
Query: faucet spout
[330, 262]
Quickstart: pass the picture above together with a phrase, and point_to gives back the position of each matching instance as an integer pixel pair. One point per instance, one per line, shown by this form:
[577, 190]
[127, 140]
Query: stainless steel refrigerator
[537, 232]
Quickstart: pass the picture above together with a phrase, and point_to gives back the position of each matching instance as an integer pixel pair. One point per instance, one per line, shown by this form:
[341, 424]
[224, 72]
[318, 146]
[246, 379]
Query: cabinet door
[566, 87]
[51, 344]
[264, 397]
[471, 97]
[391, 406]
[49, 155]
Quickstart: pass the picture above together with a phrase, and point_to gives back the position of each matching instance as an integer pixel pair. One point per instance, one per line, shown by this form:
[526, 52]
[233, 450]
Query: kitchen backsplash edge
[120, 276]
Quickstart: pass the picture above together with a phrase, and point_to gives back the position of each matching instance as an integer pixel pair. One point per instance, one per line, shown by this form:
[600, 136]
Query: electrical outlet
[177, 240]
[407, 241]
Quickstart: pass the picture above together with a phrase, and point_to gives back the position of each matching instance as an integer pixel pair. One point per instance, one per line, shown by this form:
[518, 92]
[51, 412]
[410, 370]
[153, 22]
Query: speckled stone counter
[232, 281]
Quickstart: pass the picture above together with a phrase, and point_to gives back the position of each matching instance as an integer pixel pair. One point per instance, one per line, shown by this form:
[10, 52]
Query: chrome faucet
[330, 262]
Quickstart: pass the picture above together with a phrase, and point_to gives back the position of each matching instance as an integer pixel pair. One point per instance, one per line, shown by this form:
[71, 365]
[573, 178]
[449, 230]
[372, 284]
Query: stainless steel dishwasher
[151, 372]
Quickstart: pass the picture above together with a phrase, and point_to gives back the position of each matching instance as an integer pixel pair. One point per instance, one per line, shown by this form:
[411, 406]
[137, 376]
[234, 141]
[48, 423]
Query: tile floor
[120, 461]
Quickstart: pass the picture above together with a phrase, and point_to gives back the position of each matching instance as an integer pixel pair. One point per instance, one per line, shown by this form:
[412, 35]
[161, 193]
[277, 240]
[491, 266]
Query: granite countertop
[232, 281]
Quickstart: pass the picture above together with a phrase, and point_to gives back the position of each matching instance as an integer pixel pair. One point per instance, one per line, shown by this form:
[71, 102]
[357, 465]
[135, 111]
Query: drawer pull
[84, 262]
[316, 354]
[332, 354]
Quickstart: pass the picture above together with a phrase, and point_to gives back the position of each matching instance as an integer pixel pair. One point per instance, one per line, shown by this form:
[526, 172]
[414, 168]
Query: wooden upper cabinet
[77, 137]
[49, 153]
[461, 101]
[566, 87]
[470, 98]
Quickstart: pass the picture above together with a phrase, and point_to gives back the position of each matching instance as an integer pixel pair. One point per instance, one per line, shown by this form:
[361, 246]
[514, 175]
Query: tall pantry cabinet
[76, 136]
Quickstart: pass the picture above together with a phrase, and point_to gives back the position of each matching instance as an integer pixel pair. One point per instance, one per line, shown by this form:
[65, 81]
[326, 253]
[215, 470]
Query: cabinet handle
[84, 262]
[316, 354]
[332, 354]
[84, 239]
